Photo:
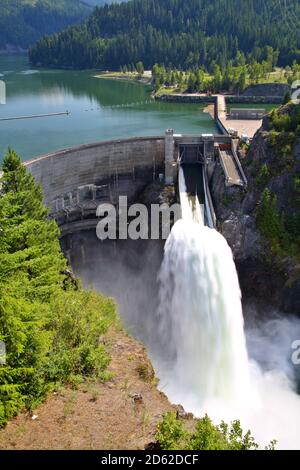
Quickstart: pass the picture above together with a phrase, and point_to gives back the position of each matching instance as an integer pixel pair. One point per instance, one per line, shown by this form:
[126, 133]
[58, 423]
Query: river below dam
[100, 109]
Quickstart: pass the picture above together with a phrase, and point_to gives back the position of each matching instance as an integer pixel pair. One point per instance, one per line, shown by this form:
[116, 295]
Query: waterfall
[200, 317]
[190, 206]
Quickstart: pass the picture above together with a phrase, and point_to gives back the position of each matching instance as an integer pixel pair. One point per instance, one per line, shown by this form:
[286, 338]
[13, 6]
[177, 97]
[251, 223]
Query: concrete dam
[181, 297]
[77, 180]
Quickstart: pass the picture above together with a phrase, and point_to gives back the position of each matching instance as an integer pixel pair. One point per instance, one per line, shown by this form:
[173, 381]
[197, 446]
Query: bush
[77, 321]
[172, 435]
[283, 121]
[263, 175]
[145, 372]
[270, 222]
[272, 138]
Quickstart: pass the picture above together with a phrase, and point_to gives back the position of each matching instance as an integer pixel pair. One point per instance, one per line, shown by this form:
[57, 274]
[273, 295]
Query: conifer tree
[50, 327]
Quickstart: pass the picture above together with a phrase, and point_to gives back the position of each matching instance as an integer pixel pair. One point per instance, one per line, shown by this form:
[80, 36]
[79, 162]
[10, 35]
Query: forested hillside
[22, 22]
[177, 33]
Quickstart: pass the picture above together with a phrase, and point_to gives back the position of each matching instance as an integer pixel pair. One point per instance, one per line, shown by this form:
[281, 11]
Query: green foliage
[281, 229]
[51, 328]
[283, 144]
[280, 122]
[293, 226]
[22, 22]
[296, 183]
[140, 68]
[84, 317]
[230, 78]
[284, 132]
[185, 34]
[173, 435]
[292, 219]
[271, 224]
[272, 138]
[145, 372]
[263, 175]
[287, 97]
[286, 119]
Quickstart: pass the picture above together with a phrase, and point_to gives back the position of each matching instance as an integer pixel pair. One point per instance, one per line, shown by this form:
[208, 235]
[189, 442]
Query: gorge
[77, 179]
[129, 271]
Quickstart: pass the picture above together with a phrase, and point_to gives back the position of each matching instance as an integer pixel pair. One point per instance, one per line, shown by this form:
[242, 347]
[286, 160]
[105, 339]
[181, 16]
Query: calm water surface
[101, 109]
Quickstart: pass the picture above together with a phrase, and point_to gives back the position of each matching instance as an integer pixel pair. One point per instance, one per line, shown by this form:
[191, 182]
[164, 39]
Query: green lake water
[100, 109]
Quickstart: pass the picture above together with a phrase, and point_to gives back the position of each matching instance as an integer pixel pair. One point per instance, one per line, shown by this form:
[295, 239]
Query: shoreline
[144, 80]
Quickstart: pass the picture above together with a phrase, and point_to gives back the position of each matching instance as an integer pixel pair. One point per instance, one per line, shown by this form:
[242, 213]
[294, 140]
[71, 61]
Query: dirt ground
[119, 414]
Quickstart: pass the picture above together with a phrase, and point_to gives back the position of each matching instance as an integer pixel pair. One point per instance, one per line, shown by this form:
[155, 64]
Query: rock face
[267, 278]
[266, 89]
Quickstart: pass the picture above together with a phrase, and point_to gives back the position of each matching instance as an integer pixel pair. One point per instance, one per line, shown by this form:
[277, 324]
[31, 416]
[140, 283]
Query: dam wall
[187, 98]
[247, 99]
[205, 99]
[76, 180]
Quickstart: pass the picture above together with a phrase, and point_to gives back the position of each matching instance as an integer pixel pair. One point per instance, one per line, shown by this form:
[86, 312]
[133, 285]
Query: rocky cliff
[262, 224]
[266, 89]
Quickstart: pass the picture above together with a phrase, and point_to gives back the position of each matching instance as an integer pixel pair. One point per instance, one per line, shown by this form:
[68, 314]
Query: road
[232, 174]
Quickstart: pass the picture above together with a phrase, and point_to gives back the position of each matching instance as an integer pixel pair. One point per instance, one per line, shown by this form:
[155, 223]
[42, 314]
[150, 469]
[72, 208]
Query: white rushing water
[202, 361]
[200, 312]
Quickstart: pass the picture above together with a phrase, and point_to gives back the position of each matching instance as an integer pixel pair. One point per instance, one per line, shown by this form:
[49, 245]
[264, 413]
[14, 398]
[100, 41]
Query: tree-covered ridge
[23, 22]
[177, 34]
[49, 325]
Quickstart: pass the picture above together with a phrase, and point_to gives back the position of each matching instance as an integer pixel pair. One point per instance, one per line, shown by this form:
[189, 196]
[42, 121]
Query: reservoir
[100, 109]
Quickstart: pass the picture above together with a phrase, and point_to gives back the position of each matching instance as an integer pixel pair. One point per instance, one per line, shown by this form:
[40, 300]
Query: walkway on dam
[232, 174]
[229, 162]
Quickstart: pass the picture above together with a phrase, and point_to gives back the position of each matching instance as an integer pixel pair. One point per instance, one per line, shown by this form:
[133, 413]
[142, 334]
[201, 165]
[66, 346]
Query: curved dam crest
[76, 180]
